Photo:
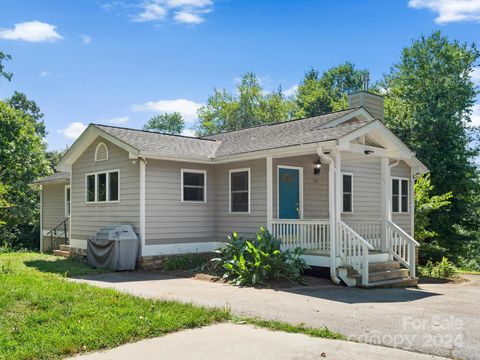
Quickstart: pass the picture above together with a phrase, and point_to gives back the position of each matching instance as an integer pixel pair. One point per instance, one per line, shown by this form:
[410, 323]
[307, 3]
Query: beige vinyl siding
[315, 188]
[169, 220]
[244, 224]
[86, 219]
[404, 220]
[53, 205]
[367, 190]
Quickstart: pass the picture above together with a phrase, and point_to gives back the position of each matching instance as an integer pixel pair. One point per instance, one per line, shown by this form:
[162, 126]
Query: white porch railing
[353, 249]
[401, 246]
[306, 234]
[370, 230]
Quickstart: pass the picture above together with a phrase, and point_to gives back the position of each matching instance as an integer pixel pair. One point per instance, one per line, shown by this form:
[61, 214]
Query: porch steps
[381, 274]
[64, 251]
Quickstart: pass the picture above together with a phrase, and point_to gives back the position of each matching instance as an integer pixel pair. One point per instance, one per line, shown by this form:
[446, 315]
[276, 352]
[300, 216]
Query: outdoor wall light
[368, 152]
[318, 166]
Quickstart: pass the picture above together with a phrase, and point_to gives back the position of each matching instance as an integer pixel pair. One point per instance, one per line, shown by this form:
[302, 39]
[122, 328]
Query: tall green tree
[30, 108]
[250, 105]
[428, 104]
[169, 123]
[3, 73]
[328, 92]
[22, 160]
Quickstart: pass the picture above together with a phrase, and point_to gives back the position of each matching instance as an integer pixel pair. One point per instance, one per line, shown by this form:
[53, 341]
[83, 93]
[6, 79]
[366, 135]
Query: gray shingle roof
[265, 137]
[57, 177]
[163, 144]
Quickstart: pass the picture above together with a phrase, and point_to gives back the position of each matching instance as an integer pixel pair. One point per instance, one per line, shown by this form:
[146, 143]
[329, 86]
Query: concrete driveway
[438, 319]
[247, 342]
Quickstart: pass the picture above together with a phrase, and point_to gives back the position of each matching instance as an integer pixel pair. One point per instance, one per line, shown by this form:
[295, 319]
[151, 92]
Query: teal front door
[288, 193]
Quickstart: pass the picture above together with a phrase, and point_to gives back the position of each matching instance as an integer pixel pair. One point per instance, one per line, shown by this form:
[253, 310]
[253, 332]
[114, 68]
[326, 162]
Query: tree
[22, 160]
[428, 104]
[6, 75]
[3, 202]
[323, 94]
[30, 108]
[250, 106]
[425, 205]
[169, 123]
[54, 156]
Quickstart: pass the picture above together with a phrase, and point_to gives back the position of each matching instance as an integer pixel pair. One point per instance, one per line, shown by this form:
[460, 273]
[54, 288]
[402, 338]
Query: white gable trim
[361, 113]
[85, 140]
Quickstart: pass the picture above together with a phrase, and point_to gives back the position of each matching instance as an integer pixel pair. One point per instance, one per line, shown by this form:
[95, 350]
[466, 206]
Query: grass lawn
[45, 316]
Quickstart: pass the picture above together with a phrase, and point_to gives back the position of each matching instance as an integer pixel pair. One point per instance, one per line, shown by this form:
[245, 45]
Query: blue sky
[119, 62]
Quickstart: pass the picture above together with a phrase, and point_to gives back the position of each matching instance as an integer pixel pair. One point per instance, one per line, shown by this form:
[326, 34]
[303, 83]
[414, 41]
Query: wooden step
[383, 265]
[401, 282]
[387, 275]
[61, 253]
[64, 247]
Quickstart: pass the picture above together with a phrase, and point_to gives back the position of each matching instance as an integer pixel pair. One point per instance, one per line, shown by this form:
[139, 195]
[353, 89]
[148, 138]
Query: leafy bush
[191, 261]
[441, 270]
[258, 260]
[431, 251]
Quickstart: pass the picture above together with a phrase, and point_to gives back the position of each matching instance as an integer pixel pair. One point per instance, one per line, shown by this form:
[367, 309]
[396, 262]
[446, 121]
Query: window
[240, 191]
[399, 195]
[103, 186]
[67, 200]
[101, 152]
[194, 186]
[347, 193]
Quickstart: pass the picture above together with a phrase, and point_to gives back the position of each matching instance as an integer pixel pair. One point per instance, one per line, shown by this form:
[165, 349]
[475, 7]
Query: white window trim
[300, 190]
[67, 207]
[196, 171]
[230, 172]
[400, 194]
[96, 151]
[96, 187]
[351, 175]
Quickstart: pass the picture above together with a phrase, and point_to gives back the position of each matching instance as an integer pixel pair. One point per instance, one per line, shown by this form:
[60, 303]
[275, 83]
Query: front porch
[349, 228]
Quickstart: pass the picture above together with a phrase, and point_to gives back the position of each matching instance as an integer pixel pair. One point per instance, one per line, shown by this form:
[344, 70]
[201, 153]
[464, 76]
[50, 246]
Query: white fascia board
[84, 141]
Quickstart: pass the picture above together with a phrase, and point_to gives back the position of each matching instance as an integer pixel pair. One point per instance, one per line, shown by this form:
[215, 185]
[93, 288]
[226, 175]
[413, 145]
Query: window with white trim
[102, 186]
[194, 188]
[67, 200]
[399, 195]
[240, 191]
[347, 193]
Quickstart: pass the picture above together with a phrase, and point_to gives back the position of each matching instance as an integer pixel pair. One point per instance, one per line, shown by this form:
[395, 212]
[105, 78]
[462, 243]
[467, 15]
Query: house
[339, 185]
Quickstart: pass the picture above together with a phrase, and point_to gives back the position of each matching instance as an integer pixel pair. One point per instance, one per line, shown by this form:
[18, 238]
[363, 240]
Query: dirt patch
[431, 280]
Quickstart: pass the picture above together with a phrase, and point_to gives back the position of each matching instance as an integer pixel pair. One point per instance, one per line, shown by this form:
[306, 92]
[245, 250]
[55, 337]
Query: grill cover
[114, 248]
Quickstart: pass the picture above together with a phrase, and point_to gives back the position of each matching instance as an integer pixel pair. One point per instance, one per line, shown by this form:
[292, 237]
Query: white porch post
[338, 191]
[386, 200]
[142, 167]
[269, 193]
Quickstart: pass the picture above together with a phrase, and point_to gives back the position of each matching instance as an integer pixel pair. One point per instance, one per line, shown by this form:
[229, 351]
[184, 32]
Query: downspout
[331, 210]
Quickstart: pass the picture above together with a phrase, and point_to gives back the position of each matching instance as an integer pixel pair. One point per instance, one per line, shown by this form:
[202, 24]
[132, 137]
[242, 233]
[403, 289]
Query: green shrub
[258, 260]
[193, 261]
[431, 251]
[443, 269]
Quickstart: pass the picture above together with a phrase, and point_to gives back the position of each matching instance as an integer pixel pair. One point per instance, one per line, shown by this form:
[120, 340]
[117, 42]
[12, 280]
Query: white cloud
[475, 75]
[188, 132]
[31, 31]
[450, 10]
[188, 17]
[86, 39]
[475, 115]
[181, 11]
[73, 131]
[291, 90]
[187, 108]
[44, 74]
[117, 120]
[151, 12]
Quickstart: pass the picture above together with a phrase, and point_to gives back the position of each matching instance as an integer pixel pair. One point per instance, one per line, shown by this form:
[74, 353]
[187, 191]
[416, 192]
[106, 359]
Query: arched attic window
[101, 152]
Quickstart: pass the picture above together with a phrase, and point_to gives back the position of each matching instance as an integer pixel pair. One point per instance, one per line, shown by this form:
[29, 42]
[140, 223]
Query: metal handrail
[53, 232]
